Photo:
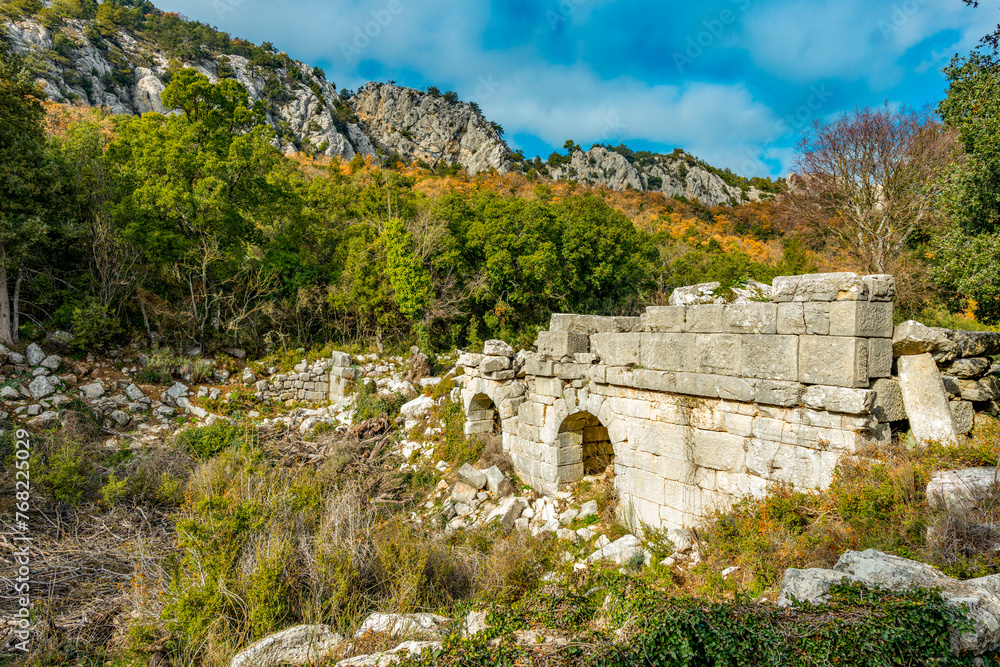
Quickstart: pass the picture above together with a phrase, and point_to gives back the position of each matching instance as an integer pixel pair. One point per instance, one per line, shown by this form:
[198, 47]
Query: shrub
[67, 474]
[207, 441]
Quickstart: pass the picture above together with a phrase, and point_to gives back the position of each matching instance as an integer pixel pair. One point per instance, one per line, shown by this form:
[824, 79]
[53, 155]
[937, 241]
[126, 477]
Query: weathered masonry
[694, 406]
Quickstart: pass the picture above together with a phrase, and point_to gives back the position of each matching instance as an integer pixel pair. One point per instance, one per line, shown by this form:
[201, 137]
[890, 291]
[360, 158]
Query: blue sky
[731, 81]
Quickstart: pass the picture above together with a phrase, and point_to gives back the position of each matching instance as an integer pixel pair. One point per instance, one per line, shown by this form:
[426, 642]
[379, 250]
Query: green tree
[411, 283]
[198, 188]
[967, 257]
[27, 182]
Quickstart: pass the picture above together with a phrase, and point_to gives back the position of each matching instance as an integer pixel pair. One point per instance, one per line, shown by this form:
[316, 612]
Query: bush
[67, 474]
[370, 404]
[206, 441]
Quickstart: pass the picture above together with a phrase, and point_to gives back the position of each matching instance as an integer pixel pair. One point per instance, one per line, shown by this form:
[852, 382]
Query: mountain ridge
[123, 58]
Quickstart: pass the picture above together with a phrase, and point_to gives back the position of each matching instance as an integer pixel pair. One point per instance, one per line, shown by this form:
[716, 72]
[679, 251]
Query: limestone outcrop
[980, 598]
[127, 76]
[673, 175]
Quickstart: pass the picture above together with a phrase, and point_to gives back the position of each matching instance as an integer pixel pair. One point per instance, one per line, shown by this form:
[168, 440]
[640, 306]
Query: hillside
[123, 58]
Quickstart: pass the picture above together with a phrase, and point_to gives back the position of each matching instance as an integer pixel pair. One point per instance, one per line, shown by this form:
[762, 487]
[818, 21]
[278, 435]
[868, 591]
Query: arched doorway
[482, 417]
[584, 448]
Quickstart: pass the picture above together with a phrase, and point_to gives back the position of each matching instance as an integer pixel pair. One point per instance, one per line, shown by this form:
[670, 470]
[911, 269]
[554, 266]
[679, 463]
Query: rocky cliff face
[673, 175]
[420, 126]
[128, 76]
[125, 73]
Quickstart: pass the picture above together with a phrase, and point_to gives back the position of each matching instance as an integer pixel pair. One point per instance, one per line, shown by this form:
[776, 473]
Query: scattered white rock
[301, 645]
[34, 355]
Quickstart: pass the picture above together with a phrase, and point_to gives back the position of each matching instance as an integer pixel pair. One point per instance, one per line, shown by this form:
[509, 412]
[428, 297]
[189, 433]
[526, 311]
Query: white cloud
[856, 39]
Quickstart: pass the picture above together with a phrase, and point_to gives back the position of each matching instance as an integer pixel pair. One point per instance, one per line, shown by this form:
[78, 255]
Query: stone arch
[483, 416]
[583, 447]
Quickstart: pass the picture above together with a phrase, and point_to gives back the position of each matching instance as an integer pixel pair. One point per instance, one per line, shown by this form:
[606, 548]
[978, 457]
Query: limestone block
[771, 357]
[549, 387]
[967, 369]
[704, 319]
[760, 456]
[667, 351]
[341, 359]
[470, 360]
[539, 367]
[559, 344]
[718, 451]
[598, 374]
[592, 324]
[881, 287]
[714, 386]
[478, 428]
[501, 376]
[750, 318]
[861, 318]
[888, 401]
[655, 380]
[840, 399]
[958, 491]
[914, 338]
[970, 344]
[790, 319]
[785, 394]
[879, 357]
[834, 361]
[719, 354]
[617, 349]
[924, 398]
[951, 386]
[979, 390]
[569, 371]
[819, 287]
[963, 415]
[664, 319]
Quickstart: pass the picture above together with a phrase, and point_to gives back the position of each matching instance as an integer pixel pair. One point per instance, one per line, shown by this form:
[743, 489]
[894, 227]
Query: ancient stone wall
[320, 382]
[694, 406]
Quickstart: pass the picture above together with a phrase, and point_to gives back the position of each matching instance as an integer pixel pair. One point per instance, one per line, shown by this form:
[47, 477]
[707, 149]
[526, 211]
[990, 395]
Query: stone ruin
[696, 406]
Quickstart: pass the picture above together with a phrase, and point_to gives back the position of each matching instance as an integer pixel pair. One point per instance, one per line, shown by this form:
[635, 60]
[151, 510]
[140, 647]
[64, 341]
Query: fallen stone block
[979, 391]
[925, 399]
[889, 405]
[386, 658]
[963, 414]
[463, 493]
[912, 338]
[497, 482]
[973, 343]
[967, 369]
[958, 491]
[508, 512]
[471, 476]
